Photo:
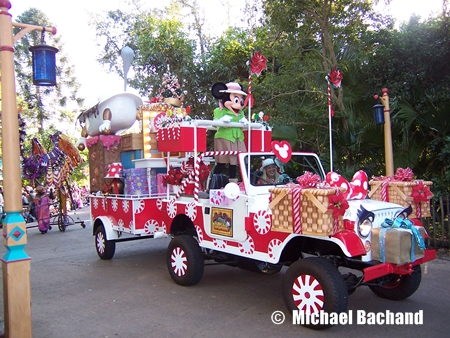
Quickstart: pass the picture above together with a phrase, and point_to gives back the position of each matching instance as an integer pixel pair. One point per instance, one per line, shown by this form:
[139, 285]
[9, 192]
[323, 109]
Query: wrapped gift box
[400, 193]
[397, 245]
[315, 218]
[127, 158]
[217, 197]
[260, 140]
[176, 139]
[103, 150]
[160, 187]
[133, 141]
[140, 181]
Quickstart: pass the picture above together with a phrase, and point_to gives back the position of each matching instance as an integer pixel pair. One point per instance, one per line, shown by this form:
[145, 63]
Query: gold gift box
[397, 245]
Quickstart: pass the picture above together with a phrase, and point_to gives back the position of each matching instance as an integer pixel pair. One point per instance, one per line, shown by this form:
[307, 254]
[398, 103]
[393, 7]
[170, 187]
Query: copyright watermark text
[358, 317]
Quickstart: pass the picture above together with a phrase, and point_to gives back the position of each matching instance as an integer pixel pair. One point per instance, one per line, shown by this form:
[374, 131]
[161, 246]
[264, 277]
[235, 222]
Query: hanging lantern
[378, 113]
[44, 64]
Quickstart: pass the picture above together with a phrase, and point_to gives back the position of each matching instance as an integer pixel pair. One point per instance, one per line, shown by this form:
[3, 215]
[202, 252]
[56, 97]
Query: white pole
[331, 137]
[330, 127]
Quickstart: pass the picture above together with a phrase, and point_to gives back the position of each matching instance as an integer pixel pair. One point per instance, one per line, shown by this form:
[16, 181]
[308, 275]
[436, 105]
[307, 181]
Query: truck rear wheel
[185, 260]
[399, 287]
[314, 284]
[105, 249]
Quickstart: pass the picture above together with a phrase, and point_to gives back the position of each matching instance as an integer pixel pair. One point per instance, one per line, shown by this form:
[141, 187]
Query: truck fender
[350, 242]
[107, 222]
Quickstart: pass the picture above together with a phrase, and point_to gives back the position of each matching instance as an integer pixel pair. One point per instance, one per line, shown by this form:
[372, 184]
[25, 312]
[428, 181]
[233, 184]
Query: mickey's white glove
[244, 120]
[225, 118]
[81, 142]
[105, 127]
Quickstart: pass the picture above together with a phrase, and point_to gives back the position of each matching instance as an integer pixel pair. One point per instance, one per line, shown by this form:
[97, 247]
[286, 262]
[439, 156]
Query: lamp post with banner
[15, 262]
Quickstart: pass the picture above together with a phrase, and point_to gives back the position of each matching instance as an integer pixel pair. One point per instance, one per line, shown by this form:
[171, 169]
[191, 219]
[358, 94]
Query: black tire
[399, 287]
[185, 260]
[314, 284]
[105, 249]
[60, 222]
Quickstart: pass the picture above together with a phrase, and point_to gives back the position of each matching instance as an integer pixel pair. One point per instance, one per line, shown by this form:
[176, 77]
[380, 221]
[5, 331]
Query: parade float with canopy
[309, 221]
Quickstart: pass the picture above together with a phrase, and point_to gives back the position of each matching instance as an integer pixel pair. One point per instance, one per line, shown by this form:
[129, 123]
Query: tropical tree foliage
[44, 106]
[303, 40]
[44, 109]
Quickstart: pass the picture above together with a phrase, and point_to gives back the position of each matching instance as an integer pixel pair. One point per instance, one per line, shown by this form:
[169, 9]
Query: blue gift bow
[404, 223]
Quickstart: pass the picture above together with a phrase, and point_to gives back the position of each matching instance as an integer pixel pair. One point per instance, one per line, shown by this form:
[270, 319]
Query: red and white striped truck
[268, 227]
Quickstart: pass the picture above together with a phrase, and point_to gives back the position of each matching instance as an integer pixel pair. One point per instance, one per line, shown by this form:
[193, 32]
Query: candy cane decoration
[257, 65]
[195, 174]
[296, 210]
[384, 191]
[418, 210]
[330, 127]
[333, 78]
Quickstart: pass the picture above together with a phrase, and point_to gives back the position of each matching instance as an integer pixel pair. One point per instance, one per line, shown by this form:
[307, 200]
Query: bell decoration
[44, 64]
[115, 172]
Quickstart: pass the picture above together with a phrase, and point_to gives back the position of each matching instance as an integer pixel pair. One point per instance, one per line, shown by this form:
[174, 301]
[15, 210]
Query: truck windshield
[266, 169]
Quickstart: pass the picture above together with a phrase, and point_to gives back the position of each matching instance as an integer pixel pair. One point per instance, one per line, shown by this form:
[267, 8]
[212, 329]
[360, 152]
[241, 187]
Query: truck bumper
[384, 269]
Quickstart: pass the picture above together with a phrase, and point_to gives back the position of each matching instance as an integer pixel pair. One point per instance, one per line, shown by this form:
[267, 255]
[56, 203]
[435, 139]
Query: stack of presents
[400, 241]
[309, 211]
[104, 150]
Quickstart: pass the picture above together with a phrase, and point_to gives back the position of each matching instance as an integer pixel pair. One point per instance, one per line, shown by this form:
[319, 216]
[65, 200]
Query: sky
[78, 37]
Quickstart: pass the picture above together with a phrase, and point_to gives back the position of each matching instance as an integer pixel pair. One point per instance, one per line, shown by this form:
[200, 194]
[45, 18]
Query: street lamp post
[388, 152]
[15, 262]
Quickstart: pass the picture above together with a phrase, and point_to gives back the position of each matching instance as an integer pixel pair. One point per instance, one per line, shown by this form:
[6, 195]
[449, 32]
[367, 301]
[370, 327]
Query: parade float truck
[331, 235]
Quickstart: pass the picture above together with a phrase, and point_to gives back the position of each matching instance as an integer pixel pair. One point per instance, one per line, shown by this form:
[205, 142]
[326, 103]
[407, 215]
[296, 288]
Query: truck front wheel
[314, 284]
[105, 249]
[185, 260]
[399, 287]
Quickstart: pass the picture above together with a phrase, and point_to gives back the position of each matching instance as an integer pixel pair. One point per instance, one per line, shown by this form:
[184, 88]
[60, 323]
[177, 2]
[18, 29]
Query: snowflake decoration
[125, 205]
[115, 204]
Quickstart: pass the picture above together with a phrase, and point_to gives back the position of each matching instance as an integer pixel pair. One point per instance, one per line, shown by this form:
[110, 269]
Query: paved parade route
[75, 294]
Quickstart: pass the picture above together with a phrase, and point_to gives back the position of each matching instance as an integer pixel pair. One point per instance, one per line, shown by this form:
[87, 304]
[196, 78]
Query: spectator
[42, 204]
[51, 194]
[269, 172]
[31, 205]
[25, 202]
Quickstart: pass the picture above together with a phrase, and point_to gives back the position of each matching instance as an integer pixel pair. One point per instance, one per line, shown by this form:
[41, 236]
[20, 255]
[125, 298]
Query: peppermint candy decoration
[191, 211]
[248, 247]
[219, 243]
[262, 222]
[138, 206]
[159, 203]
[171, 208]
[199, 233]
[274, 248]
[151, 226]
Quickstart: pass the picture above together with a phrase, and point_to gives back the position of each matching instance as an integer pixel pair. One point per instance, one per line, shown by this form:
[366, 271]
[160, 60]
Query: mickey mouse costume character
[231, 103]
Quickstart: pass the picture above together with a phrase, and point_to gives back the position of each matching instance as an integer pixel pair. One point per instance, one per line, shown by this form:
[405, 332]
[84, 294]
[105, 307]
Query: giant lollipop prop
[257, 65]
[333, 78]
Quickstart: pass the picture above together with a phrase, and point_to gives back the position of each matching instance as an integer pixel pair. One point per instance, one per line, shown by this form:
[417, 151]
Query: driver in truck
[269, 171]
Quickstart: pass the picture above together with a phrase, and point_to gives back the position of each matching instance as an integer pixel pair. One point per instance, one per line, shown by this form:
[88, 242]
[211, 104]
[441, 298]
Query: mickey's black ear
[407, 211]
[216, 88]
